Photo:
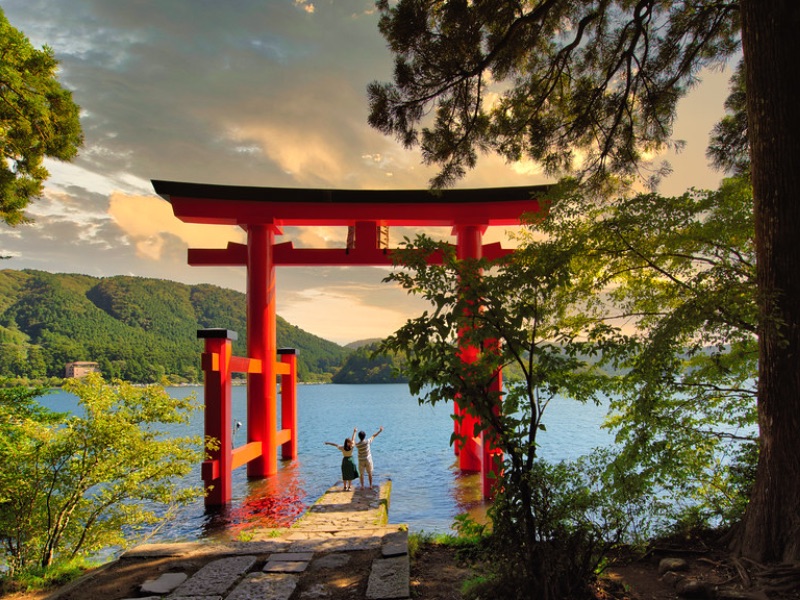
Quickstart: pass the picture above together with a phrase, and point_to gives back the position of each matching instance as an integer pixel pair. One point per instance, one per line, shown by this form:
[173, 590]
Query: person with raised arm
[349, 470]
[365, 455]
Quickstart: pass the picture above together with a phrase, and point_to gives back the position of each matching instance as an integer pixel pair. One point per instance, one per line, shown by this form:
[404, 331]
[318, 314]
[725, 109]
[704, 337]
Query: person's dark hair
[348, 444]
[362, 435]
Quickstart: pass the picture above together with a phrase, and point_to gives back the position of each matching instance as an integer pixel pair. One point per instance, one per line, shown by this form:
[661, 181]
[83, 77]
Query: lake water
[414, 451]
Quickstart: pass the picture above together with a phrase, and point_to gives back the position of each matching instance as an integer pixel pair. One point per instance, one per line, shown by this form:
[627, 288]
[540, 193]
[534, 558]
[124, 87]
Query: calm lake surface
[414, 451]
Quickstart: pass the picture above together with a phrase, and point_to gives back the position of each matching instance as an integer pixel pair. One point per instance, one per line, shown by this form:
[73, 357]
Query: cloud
[147, 220]
[315, 237]
[306, 156]
[305, 5]
[324, 309]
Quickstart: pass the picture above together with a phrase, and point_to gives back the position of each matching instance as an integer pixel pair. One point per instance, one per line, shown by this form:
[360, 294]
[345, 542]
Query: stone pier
[343, 546]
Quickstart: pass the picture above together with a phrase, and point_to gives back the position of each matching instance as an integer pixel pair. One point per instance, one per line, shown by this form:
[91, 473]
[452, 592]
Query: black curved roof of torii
[208, 191]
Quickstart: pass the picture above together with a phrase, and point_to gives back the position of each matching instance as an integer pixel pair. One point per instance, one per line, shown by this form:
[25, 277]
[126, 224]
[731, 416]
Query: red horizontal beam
[280, 214]
[282, 436]
[235, 255]
[241, 364]
[244, 454]
[286, 255]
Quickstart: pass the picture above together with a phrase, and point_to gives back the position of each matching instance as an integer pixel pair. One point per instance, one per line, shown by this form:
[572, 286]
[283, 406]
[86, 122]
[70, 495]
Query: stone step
[389, 578]
[275, 586]
[215, 578]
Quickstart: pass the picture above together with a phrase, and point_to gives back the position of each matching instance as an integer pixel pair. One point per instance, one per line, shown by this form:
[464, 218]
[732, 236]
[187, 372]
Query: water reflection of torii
[368, 214]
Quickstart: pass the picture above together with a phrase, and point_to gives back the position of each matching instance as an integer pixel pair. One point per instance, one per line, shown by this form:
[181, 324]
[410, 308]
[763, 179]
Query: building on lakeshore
[78, 369]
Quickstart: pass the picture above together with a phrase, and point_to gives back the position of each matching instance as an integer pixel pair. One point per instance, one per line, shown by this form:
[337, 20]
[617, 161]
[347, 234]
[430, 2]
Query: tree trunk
[771, 41]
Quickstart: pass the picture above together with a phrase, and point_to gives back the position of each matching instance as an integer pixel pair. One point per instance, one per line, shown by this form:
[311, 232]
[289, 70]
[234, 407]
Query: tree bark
[771, 42]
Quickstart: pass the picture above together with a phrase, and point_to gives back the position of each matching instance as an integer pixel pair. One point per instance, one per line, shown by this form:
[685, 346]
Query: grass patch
[451, 561]
[469, 540]
[470, 535]
[417, 541]
[44, 579]
[477, 586]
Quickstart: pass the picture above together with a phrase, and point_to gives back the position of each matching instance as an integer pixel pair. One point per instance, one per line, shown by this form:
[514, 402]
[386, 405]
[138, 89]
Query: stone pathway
[339, 523]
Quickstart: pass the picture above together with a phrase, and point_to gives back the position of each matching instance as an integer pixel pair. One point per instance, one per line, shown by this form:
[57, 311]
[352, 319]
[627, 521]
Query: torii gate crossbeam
[263, 212]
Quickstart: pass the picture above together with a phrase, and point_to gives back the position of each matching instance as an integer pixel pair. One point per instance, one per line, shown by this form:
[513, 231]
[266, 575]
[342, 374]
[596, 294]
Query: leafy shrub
[74, 485]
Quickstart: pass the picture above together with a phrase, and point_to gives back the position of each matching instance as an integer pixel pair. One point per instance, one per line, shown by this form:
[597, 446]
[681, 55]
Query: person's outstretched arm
[374, 435]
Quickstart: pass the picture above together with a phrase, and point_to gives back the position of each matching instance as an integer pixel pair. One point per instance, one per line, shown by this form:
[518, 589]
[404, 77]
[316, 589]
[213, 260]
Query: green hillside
[137, 329]
[362, 367]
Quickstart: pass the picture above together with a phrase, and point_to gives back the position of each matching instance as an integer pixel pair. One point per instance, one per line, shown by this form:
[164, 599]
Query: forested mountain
[359, 343]
[137, 329]
[362, 367]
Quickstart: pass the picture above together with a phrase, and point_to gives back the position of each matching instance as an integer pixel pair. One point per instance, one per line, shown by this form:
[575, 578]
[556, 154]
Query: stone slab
[395, 544]
[258, 586]
[216, 578]
[342, 544]
[291, 556]
[389, 578]
[254, 547]
[285, 566]
[201, 548]
[164, 584]
[390, 550]
[314, 592]
[189, 597]
[159, 550]
[330, 561]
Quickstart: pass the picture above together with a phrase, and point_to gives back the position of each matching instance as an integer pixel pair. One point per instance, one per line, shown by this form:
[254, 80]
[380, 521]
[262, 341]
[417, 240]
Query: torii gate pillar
[469, 240]
[262, 412]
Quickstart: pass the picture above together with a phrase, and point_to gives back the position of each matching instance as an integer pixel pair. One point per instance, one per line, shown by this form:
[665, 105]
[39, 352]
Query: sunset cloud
[147, 220]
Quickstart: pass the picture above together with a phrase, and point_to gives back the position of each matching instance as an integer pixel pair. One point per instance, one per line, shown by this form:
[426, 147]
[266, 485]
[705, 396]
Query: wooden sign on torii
[263, 212]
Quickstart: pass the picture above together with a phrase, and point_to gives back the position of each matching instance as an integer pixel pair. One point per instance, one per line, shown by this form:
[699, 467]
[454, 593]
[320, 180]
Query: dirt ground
[711, 573]
[437, 574]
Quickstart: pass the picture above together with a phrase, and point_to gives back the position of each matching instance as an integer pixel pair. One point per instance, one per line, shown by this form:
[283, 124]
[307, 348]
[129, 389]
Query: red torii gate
[262, 212]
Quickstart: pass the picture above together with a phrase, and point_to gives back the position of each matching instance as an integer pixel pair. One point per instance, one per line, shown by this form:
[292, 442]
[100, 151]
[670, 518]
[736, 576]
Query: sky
[244, 92]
